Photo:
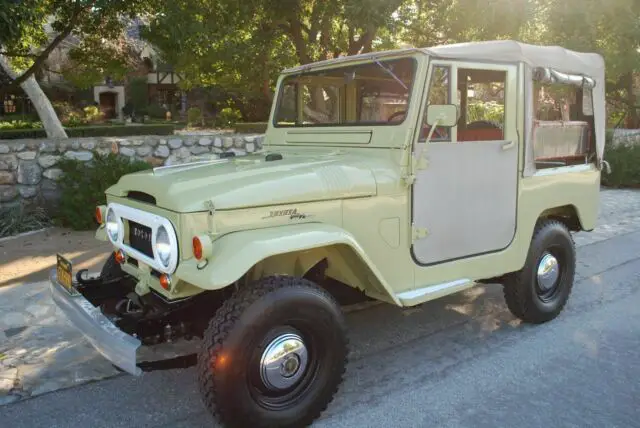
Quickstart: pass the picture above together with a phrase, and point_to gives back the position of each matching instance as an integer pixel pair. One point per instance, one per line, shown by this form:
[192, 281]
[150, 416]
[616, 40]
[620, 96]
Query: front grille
[140, 238]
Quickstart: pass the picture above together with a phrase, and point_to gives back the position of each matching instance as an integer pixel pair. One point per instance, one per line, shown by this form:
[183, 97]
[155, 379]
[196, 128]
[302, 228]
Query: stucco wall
[28, 171]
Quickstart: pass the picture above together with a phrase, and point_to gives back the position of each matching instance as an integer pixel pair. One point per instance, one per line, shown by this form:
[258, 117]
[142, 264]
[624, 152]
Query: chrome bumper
[114, 344]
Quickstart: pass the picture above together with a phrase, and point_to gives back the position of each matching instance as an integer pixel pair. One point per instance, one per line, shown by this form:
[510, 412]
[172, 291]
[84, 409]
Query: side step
[434, 291]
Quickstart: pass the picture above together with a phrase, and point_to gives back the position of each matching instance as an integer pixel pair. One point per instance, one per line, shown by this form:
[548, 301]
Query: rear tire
[540, 290]
[274, 355]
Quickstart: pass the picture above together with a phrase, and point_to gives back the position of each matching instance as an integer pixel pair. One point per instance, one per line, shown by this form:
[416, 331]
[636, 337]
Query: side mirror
[445, 115]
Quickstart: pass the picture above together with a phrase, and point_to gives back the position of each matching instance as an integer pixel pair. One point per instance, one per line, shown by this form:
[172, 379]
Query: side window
[482, 99]
[439, 93]
[562, 128]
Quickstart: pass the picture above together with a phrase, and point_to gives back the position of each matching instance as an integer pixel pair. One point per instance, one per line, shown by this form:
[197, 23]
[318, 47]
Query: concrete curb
[21, 235]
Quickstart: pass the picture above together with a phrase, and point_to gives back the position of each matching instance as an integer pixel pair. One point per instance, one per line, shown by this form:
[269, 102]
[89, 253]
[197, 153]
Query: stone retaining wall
[28, 172]
[626, 137]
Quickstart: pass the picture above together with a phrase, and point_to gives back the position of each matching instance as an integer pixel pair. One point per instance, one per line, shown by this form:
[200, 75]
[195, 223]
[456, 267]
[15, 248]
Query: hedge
[93, 131]
[250, 127]
[625, 166]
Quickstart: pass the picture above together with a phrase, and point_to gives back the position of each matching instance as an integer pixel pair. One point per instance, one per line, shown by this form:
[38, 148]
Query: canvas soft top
[555, 58]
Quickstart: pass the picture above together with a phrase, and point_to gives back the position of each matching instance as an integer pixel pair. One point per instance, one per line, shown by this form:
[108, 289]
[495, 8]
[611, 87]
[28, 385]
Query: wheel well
[337, 268]
[566, 214]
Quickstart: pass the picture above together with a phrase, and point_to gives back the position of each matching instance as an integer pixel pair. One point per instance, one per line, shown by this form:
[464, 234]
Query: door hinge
[408, 179]
[420, 162]
[419, 233]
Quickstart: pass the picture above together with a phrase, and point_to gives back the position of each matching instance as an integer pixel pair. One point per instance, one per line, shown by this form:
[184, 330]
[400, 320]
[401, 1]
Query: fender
[237, 252]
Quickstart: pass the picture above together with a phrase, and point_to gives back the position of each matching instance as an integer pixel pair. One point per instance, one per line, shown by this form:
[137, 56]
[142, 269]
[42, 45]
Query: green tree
[242, 46]
[613, 31]
[26, 43]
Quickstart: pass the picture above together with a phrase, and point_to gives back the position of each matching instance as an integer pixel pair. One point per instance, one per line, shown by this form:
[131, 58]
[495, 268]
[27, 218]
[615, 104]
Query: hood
[251, 181]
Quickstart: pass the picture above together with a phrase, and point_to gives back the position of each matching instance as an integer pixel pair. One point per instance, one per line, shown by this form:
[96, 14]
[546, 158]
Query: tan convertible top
[554, 58]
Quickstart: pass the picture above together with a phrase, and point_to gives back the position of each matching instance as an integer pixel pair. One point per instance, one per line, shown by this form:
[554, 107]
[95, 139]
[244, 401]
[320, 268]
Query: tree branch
[42, 56]
[295, 30]
[17, 55]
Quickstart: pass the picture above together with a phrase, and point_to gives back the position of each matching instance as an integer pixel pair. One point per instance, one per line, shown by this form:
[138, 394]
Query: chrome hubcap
[283, 362]
[548, 272]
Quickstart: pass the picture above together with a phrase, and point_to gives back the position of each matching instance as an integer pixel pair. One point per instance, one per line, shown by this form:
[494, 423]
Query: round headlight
[112, 225]
[163, 246]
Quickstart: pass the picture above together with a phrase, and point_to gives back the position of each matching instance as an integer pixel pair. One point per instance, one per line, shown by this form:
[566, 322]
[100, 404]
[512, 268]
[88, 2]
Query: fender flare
[237, 252]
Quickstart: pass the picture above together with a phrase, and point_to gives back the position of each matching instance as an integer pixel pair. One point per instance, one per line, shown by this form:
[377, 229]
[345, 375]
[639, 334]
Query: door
[465, 194]
[108, 104]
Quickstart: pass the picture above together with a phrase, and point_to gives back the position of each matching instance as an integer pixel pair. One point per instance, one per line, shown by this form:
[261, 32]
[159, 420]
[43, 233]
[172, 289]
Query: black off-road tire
[524, 297]
[241, 330]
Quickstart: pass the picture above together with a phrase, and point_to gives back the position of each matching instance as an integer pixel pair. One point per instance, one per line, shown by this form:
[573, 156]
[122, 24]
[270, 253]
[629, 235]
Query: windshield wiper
[392, 75]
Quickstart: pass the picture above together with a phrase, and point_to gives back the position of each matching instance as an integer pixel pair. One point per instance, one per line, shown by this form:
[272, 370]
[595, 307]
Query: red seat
[484, 134]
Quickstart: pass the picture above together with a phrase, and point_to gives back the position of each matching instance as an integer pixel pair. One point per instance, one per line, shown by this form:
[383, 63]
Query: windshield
[373, 93]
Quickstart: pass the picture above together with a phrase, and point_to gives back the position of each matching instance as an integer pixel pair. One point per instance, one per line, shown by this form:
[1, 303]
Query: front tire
[540, 290]
[274, 355]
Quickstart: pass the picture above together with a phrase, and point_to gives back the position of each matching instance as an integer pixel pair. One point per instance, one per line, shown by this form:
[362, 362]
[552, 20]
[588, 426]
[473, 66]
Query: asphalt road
[461, 361]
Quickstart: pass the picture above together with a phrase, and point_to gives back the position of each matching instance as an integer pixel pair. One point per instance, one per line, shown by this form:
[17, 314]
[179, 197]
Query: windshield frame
[381, 62]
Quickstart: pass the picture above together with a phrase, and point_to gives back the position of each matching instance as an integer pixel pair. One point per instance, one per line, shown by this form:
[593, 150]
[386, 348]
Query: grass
[14, 221]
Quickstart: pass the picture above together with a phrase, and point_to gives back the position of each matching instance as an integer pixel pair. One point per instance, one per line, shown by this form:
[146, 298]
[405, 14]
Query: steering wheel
[398, 113]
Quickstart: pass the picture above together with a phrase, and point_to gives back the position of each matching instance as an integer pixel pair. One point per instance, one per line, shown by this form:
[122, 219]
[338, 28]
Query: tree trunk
[43, 106]
[632, 113]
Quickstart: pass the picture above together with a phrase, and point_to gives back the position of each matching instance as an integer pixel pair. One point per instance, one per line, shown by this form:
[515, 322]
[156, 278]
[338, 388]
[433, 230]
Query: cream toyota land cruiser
[403, 176]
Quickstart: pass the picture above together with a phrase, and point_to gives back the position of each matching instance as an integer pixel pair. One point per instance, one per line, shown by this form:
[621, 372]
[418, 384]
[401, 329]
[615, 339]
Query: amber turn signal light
[165, 281]
[202, 247]
[197, 248]
[99, 214]
[120, 258]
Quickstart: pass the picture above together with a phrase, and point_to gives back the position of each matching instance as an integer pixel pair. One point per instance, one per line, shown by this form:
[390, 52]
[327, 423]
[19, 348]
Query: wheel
[274, 355]
[540, 290]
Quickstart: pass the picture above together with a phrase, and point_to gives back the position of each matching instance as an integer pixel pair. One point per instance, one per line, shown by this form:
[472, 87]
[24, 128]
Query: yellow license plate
[65, 276]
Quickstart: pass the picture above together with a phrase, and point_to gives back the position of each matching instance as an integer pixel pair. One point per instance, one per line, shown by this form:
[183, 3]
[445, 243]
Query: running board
[435, 291]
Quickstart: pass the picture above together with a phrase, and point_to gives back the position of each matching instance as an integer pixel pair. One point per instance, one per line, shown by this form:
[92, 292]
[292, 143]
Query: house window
[563, 125]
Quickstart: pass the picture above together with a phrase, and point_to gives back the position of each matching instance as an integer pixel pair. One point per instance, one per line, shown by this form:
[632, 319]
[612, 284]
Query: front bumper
[114, 344]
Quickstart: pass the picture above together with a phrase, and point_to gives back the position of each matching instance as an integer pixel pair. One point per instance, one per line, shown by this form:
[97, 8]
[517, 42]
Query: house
[109, 95]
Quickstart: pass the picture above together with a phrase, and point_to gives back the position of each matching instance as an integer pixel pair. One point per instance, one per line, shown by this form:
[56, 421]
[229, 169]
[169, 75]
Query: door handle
[509, 145]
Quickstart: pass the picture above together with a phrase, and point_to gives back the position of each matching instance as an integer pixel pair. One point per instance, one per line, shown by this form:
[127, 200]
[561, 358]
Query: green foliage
[227, 117]
[74, 120]
[250, 128]
[64, 109]
[194, 116]
[83, 184]
[22, 219]
[489, 111]
[95, 131]
[20, 124]
[98, 25]
[625, 166]
[92, 113]
[138, 92]
[156, 111]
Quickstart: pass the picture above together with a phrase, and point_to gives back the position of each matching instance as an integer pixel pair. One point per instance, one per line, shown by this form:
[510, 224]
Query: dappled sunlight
[29, 259]
[18, 271]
